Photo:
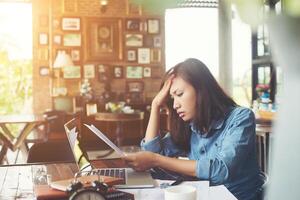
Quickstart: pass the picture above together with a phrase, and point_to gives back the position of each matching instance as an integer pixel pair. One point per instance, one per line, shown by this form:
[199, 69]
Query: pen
[177, 182]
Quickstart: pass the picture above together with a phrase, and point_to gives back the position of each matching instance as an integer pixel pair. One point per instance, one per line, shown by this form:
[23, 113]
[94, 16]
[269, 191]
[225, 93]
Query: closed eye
[179, 94]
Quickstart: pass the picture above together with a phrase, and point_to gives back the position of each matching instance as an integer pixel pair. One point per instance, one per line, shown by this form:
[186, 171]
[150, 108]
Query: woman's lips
[181, 114]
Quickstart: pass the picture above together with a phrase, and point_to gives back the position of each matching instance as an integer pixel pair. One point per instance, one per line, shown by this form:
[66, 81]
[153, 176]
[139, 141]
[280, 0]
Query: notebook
[132, 179]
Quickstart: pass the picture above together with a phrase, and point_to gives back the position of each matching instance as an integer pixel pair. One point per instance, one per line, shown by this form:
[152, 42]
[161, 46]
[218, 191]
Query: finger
[128, 158]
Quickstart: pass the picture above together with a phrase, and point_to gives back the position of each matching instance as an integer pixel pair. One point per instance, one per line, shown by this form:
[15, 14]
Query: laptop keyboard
[113, 172]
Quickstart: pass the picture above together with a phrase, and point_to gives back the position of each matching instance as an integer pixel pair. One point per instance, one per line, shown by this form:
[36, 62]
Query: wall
[47, 23]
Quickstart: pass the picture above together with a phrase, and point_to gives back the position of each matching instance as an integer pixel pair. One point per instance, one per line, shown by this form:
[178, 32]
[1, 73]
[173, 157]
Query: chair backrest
[56, 120]
[50, 151]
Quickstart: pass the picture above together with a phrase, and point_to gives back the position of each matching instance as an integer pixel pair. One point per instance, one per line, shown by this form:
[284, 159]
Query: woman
[208, 127]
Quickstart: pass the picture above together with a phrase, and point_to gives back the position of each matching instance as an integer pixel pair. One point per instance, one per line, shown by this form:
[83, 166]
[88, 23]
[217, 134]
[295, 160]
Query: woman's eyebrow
[173, 92]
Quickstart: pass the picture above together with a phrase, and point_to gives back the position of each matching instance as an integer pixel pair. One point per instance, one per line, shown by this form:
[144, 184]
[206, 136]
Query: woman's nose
[176, 105]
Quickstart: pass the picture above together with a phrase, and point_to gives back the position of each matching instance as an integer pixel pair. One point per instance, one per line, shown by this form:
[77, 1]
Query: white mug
[181, 192]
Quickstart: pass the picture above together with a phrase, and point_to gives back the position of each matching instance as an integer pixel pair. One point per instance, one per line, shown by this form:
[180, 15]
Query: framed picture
[153, 26]
[72, 40]
[103, 39]
[134, 40]
[71, 72]
[134, 72]
[43, 38]
[148, 41]
[155, 55]
[157, 41]
[104, 73]
[118, 72]
[75, 54]
[44, 71]
[135, 86]
[131, 55]
[57, 39]
[71, 24]
[133, 8]
[144, 55]
[56, 23]
[147, 72]
[133, 24]
[89, 71]
[59, 91]
[43, 54]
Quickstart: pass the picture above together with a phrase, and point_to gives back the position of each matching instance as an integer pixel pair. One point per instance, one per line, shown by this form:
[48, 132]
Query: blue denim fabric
[225, 155]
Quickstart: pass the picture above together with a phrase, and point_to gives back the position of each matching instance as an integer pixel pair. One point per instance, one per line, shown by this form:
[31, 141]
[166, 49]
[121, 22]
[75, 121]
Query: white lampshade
[62, 59]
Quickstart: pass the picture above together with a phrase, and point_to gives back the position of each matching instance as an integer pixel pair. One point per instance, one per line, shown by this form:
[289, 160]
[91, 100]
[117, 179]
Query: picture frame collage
[67, 37]
[143, 45]
[143, 39]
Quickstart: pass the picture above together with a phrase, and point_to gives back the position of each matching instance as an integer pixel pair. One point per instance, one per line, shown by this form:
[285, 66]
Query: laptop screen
[72, 132]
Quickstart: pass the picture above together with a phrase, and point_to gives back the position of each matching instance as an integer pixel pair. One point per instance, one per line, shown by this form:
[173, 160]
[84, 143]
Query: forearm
[153, 124]
[186, 167]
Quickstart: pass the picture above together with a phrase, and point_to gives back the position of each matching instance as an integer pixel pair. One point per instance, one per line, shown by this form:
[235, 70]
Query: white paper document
[105, 139]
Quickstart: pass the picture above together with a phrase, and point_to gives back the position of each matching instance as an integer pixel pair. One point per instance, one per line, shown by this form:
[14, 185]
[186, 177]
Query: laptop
[132, 179]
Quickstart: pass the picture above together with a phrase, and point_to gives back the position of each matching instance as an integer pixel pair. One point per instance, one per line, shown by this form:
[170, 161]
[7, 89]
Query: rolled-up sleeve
[162, 145]
[238, 141]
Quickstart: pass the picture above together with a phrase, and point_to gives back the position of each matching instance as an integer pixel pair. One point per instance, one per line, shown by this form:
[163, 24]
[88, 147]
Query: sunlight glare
[192, 32]
[16, 24]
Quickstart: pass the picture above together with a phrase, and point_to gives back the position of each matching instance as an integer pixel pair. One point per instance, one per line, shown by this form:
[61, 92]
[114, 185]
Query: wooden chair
[50, 151]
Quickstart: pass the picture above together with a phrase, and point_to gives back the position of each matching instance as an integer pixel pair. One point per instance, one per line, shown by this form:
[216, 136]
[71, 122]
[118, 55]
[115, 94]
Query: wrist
[155, 106]
[156, 159]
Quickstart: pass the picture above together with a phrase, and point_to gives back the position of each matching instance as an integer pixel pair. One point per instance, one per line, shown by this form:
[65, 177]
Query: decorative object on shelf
[115, 107]
[86, 91]
[71, 24]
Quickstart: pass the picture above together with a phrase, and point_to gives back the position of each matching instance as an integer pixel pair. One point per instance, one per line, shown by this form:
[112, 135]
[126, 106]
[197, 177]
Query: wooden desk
[17, 181]
[16, 141]
[119, 118]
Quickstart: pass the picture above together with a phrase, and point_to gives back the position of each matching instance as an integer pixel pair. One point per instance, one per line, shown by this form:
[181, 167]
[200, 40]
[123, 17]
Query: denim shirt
[225, 155]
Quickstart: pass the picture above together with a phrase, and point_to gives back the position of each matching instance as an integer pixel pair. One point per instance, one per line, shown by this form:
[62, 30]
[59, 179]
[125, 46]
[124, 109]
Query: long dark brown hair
[211, 104]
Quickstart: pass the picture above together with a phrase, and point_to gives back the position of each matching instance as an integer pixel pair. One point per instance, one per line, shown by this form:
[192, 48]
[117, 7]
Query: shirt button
[202, 151]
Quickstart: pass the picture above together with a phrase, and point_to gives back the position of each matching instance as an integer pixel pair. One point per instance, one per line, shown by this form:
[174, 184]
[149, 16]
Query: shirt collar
[215, 124]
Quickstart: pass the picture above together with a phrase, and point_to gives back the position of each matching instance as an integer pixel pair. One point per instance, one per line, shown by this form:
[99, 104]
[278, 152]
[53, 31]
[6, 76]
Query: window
[192, 32]
[241, 61]
[15, 57]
